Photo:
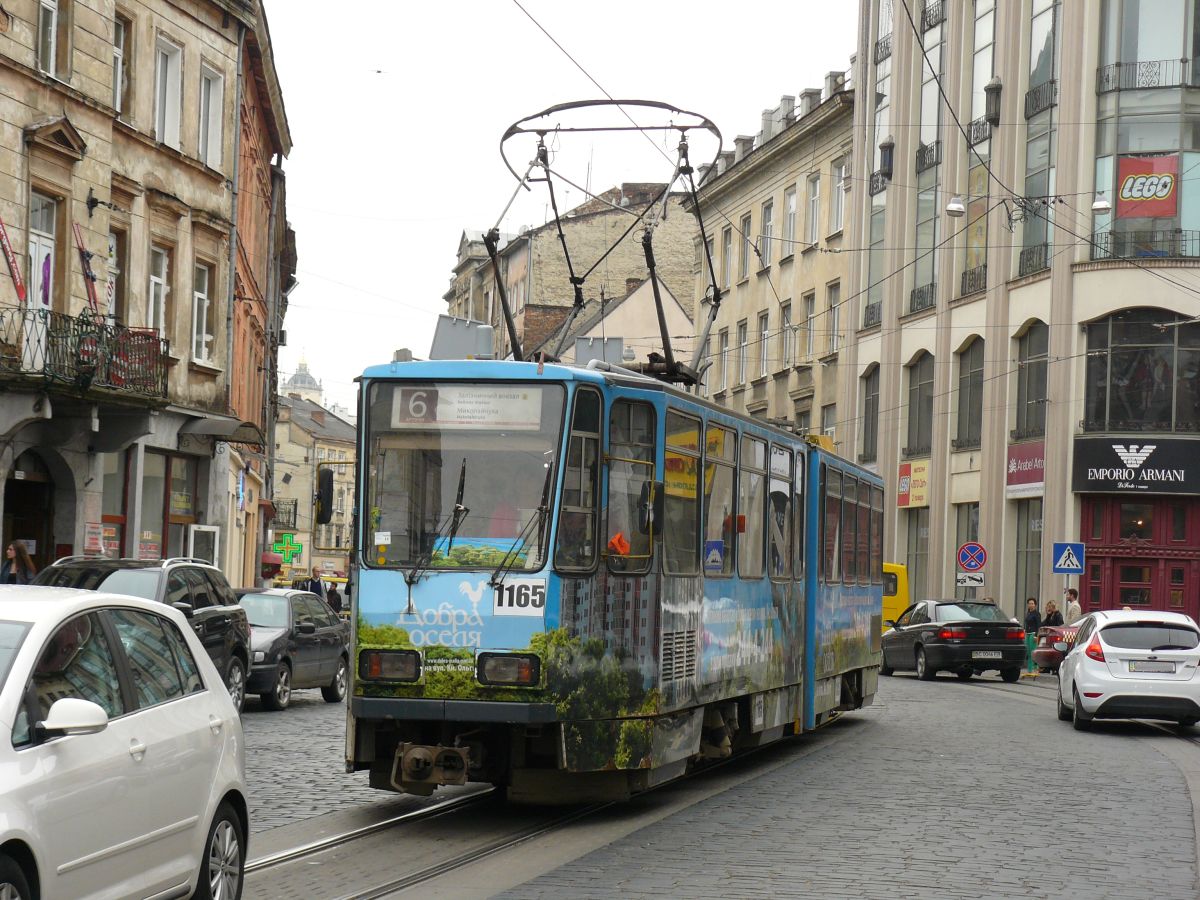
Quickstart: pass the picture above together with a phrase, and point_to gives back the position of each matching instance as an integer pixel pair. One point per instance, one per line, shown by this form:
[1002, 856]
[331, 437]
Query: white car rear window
[1150, 636]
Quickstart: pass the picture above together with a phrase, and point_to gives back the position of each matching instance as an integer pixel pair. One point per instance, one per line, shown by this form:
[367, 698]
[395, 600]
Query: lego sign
[912, 486]
[1147, 187]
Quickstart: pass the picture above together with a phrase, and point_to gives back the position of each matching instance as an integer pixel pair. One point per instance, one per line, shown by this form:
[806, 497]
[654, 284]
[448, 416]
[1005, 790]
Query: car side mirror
[1062, 646]
[73, 715]
[183, 607]
[306, 628]
[890, 623]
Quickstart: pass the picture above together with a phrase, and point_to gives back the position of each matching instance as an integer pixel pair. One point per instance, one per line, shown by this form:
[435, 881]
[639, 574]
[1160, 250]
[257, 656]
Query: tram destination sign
[501, 407]
[1144, 464]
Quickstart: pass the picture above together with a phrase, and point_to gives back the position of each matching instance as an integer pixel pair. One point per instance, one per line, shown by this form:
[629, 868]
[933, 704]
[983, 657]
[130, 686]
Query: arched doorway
[29, 507]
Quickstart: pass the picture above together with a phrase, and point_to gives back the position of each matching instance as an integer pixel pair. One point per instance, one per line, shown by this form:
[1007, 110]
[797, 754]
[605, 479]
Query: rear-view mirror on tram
[650, 506]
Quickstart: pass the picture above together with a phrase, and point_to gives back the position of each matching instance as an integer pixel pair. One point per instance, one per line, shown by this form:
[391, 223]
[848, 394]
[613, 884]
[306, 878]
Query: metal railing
[81, 352]
[1174, 243]
[867, 456]
[922, 297]
[1033, 259]
[966, 443]
[932, 14]
[915, 452]
[285, 513]
[1040, 98]
[974, 280]
[1017, 435]
[872, 314]
[883, 49]
[1146, 73]
[878, 182]
[978, 131]
[928, 156]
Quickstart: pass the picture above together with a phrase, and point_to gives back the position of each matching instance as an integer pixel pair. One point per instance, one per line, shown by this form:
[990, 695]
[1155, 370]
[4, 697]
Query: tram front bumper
[419, 768]
[401, 709]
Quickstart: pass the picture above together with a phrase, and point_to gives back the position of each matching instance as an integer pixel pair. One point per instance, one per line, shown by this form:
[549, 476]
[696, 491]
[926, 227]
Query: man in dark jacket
[314, 585]
[1033, 621]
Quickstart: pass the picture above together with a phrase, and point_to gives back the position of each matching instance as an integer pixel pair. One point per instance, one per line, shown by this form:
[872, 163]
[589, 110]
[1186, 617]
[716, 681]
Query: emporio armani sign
[1168, 466]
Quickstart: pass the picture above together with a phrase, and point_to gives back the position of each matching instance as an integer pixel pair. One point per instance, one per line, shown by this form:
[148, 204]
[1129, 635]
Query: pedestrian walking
[17, 568]
[1033, 621]
[334, 599]
[314, 585]
[1053, 616]
[1074, 611]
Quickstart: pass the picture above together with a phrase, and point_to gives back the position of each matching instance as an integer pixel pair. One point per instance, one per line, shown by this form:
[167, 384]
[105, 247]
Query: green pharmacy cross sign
[287, 547]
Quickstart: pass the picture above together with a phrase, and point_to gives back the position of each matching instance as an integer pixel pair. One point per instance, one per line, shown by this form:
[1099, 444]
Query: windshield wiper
[454, 520]
[460, 511]
[513, 556]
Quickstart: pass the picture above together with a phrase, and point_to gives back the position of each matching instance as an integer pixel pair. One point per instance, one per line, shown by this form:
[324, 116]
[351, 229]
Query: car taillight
[952, 634]
[508, 668]
[1015, 634]
[1094, 650]
[389, 665]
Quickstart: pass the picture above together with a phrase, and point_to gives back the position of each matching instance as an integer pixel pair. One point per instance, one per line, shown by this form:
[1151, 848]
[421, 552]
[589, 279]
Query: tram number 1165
[520, 597]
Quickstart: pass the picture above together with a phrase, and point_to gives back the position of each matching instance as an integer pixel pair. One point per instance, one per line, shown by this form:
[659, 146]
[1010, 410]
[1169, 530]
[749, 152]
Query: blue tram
[580, 582]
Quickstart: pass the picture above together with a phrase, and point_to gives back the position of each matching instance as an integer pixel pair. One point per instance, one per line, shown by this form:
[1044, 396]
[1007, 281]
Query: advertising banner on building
[1138, 464]
[1147, 187]
[1026, 472]
[912, 489]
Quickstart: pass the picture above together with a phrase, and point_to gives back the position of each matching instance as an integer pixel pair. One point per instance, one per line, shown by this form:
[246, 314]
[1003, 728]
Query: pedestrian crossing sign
[1068, 558]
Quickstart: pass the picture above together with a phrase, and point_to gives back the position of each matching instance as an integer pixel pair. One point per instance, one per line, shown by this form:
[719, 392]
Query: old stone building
[775, 215]
[117, 155]
[536, 276]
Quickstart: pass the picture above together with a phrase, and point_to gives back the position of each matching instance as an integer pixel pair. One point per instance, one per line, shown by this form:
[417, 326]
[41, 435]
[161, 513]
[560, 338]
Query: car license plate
[985, 654]
[1149, 665]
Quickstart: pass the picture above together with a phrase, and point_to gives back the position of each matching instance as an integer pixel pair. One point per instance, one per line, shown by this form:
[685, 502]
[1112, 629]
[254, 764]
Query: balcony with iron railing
[1171, 243]
[932, 14]
[966, 443]
[917, 451]
[866, 457]
[1145, 74]
[928, 156]
[872, 314]
[883, 48]
[922, 297]
[1033, 259]
[1028, 433]
[81, 352]
[974, 280]
[285, 513]
[1040, 98]
[978, 131]
[878, 182]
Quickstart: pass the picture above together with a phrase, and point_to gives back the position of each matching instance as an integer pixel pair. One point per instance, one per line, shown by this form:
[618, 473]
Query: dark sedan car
[962, 636]
[1045, 656]
[297, 641]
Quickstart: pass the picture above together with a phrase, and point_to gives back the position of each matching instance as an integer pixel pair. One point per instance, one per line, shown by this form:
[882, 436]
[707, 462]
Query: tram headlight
[389, 665]
[508, 668]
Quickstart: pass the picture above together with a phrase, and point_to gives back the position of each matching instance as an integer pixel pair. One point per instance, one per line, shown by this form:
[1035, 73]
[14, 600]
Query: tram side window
[681, 548]
[798, 517]
[864, 532]
[630, 485]
[831, 490]
[877, 535]
[576, 548]
[849, 528]
[779, 514]
[751, 507]
[720, 519]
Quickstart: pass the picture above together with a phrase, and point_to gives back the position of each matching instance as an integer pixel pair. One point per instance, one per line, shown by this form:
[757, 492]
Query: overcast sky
[396, 112]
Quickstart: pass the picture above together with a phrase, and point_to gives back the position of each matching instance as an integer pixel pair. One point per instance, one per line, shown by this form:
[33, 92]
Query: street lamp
[887, 149]
[991, 107]
[1101, 205]
[956, 208]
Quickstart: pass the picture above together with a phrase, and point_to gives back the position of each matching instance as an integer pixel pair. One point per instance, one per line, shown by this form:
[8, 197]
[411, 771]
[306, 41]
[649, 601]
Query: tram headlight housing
[389, 665]
[516, 669]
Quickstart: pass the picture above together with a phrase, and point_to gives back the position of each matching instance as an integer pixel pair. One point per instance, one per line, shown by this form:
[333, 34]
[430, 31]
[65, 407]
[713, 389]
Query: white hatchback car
[122, 766]
[1131, 664]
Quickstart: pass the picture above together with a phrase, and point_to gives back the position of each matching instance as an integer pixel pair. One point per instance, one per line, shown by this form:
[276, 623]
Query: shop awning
[272, 559]
[225, 428]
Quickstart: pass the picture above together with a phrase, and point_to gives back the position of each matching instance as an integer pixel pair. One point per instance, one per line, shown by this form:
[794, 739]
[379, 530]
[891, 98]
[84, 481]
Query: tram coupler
[419, 768]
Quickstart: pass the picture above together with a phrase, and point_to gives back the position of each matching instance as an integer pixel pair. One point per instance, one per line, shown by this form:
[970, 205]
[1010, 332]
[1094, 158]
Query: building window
[870, 443]
[924, 293]
[747, 248]
[122, 36]
[810, 323]
[768, 220]
[43, 257]
[50, 34]
[920, 406]
[970, 396]
[160, 289]
[966, 528]
[829, 419]
[168, 60]
[211, 106]
[202, 314]
[723, 359]
[1031, 382]
[785, 335]
[117, 286]
[804, 421]
[1036, 233]
[742, 347]
[812, 222]
[1143, 373]
[789, 222]
[837, 198]
[918, 551]
[833, 298]
[726, 257]
[764, 338]
[1029, 550]
[876, 262]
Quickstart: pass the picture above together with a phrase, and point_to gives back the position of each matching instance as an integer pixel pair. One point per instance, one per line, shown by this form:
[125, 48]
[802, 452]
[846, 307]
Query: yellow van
[895, 591]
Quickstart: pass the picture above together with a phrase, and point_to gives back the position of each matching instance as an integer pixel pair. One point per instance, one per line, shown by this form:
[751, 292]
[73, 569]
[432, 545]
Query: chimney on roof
[834, 82]
[318, 416]
[632, 284]
[768, 124]
[810, 99]
[702, 173]
[787, 110]
[742, 144]
[724, 161]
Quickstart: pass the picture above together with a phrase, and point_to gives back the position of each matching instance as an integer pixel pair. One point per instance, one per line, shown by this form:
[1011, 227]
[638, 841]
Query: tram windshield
[428, 443]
